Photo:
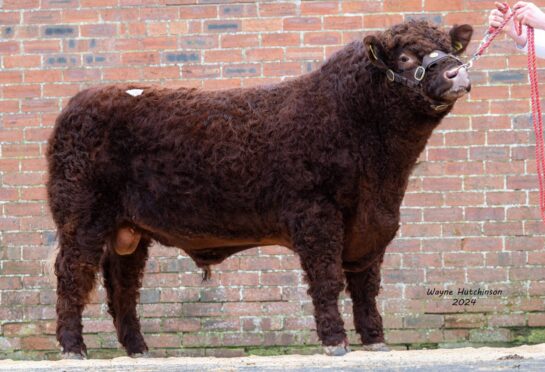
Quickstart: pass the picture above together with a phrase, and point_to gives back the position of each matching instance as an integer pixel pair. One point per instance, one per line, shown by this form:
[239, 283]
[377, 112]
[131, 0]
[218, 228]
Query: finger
[499, 6]
[523, 14]
[520, 5]
[525, 21]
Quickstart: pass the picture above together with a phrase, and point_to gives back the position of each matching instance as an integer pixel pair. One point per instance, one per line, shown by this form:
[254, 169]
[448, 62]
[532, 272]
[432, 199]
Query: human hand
[529, 14]
[497, 17]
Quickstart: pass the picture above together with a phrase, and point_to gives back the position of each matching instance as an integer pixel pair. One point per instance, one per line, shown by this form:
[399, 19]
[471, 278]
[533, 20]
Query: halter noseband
[419, 72]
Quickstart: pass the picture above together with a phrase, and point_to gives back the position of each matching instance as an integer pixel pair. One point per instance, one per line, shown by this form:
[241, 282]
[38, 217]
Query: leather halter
[419, 73]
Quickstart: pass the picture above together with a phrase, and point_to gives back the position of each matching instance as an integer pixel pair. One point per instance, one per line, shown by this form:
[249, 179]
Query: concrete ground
[523, 358]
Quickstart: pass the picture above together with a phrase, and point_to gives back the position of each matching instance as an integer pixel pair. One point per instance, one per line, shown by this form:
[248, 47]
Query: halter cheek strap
[419, 73]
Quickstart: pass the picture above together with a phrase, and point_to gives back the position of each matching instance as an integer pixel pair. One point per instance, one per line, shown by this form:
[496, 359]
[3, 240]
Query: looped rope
[537, 118]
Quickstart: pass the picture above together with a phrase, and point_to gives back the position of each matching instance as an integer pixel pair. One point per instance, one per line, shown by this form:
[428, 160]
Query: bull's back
[178, 152]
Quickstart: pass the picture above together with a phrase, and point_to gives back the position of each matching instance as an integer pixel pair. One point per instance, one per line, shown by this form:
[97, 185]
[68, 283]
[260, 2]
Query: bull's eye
[404, 59]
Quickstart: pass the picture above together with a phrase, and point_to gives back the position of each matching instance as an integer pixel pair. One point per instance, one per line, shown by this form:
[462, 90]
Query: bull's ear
[375, 50]
[460, 37]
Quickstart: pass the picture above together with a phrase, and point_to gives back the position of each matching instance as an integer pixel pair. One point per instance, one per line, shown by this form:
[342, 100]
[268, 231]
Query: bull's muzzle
[459, 78]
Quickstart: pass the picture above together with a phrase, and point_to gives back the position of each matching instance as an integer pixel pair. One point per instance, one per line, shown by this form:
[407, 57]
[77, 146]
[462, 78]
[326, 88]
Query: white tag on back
[135, 92]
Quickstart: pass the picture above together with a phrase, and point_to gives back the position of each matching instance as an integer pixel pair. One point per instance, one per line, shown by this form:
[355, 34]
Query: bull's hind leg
[364, 287]
[122, 280]
[317, 234]
[76, 266]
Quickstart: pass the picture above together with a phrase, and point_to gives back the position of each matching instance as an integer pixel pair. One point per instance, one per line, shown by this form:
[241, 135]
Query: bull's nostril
[451, 74]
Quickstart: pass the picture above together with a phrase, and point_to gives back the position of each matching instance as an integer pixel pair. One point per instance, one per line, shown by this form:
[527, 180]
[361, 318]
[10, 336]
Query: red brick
[79, 16]
[38, 343]
[361, 6]
[200, 71]
[262, 25]
[302, 23]
[463, 259]
[322, 38]
[264, 54]
[237, 10]
[439, 5]
[199, 11]
[140, 58]
[482, 244]
[536, 319]
[19, 61]
[10, 18]
[277, 9]
[381, 21]
[464, 321]
[282, 69]
[246, 278]
[319, 7]
[305, 53]
[239, 41]
[42, 46]
[22, 91]
[99, 30]
[524, 243]
[280, 39]
[402, 5]
[157, 73]
[484, 183]
[442, 184]
[343, 22]
[220, 84]
[502, 228]
[20, 267]
[42, 17]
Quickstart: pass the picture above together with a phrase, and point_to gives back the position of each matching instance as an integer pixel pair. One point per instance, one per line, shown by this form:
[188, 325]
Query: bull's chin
[455, 93]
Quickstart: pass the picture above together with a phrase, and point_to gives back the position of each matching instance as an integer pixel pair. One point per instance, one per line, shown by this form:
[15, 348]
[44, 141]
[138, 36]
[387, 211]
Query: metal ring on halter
[390, 75]
[419, 73]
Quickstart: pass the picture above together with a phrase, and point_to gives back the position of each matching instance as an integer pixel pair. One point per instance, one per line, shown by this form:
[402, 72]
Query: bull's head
[423, 58]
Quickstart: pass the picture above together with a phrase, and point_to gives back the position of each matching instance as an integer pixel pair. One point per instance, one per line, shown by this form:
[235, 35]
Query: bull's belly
[205, 243]
[127, 239]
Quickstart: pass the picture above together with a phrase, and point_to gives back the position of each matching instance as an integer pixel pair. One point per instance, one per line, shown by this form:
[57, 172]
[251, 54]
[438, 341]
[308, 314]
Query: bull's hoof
[379, 346]
[143, 355]
[337, 350]
[73, 356]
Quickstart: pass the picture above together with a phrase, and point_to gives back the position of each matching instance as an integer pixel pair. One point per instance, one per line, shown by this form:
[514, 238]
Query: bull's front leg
[317, 234]
[364, 287]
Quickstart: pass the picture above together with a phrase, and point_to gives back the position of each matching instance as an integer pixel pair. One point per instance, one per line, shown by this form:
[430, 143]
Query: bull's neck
[391, 126]
[391, 123]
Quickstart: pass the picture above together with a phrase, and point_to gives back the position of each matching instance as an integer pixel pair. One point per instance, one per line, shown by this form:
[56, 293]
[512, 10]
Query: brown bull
[318, 164]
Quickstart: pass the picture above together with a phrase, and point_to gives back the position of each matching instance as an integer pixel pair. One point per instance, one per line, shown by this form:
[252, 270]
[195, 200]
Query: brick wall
[470, 217]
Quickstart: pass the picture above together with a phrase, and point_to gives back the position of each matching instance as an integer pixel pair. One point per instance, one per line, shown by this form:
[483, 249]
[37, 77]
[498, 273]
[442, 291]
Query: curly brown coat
[319, 164]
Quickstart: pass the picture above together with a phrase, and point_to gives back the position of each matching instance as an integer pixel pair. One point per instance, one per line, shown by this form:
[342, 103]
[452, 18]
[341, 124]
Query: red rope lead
[537, 117]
